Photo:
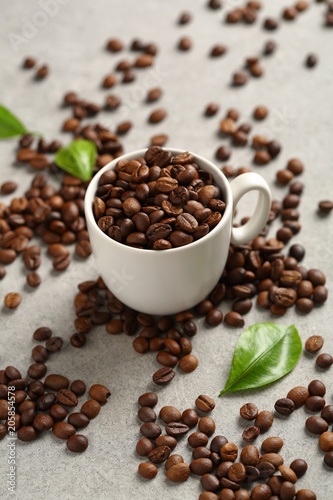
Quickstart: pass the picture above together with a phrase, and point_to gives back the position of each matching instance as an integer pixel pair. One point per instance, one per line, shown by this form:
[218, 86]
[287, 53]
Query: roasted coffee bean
[91, 408]
[249, 455]
[146, 414]
[264, 420]
[207, 426]
[288, 474]
[249, 411]
[159, 455]
[197, 439]
[178, 473]
[78, 387]
[67, 398]
[205, 403]
[201, 466]
[201, 452]
[272, 445]
[262, 491]
[326, 441]
[54, 344]
[170, 414]
[314, 343]
[100, 393]
[325, 207]
[144, 447]
[63, 430]
[166, 359]
[166, 440]
[27, 433]
[58, 413]
[284, 406]
[27, 417]
[251, 433]
[237, 473]
[147, 470]
[163, 376]
[317, 388]
[190, 418]
[327, 413]
[148, 399]
[43, 422]
[266, 469]
[56, 382]
[77, 443]
[229, 452]
[12, 300]
[39, 354]
[328, 459]
[315, 403]
[188, 363]
[150, 430]
[324, 361]
[37, 371]
[45, 401]
[78, 420]
[316, 425]
[176, 429]
[210, 483]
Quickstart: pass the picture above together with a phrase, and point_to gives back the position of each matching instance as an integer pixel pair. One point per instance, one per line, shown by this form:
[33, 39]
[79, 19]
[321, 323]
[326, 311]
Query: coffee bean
[166, 440]
[188, 363]
[210, 483]
[317, 388]
[100, 393]
[150, 430]
[229, 452]
[39, 354]
[201, 452]
[249, 411]
[163, 376]
[327, 413]
[178, 473]
[173, 460]
[261, 492]
[284, 406]
[63, 430]
[320, 294]
[170, 414]
[201, 466]
[148, 399]
[214, 317]
[272, 445]
[190, 418]
[266, 469]
[56, 382]
[288, 474]
[12, 300]
[249, 455]
[147, 470]
[311, 60]
[77, 443]
[78, 420]
[144, 447]
[197, 439]
[146, 414]
[205, 403]
[264, 420]
[78, 387]
[212, 108]
[325, 207]
[251, 433]
[37, 371]
[326, 441]
[54, 344]
[314, 343]
[328, 459]
[324, 361]
[316, 425]
[159, 455]
[27, 433]
[91, 408]
[299, 466]
[237, 472]
[207, 426]
[185, 44]
[43, 422]
[176, 429]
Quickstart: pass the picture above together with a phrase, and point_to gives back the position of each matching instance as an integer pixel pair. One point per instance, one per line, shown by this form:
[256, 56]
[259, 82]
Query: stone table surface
[70, 37]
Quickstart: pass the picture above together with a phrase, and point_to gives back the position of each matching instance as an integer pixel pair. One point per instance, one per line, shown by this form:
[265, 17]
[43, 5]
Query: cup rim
[218, 177]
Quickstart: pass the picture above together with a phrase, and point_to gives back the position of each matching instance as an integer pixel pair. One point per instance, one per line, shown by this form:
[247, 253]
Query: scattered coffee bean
[147, 470]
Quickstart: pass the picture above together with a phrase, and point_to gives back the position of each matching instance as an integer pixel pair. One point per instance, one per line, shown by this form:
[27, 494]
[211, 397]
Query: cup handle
[240, 186]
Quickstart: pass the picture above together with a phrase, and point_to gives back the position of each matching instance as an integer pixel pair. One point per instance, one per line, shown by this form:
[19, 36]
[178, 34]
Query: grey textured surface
[300, 101]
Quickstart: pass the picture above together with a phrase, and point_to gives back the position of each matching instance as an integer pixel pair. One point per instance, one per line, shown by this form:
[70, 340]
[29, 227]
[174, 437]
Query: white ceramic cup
[169, 281]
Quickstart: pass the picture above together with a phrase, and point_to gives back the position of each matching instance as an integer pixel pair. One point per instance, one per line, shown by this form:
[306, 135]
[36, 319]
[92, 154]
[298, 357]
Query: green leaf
[10, 125]
[78, 159]
[264, 353]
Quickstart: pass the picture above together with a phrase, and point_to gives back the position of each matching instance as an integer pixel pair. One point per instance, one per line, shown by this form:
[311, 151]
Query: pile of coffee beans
[221, 475]
[157, 202]
[312, 397]
[30, 407]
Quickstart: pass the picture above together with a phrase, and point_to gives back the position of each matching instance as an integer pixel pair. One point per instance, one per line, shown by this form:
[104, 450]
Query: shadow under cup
[166, 281]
